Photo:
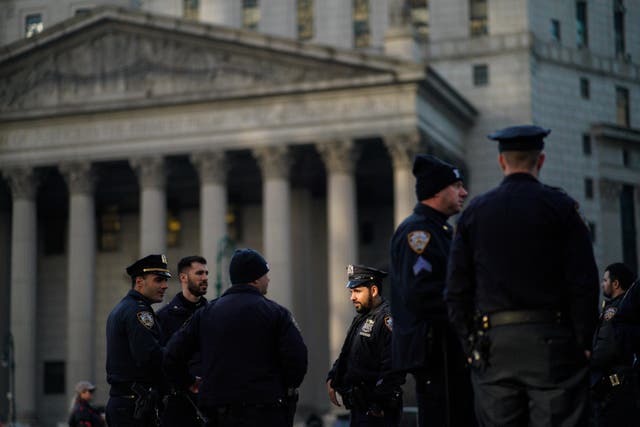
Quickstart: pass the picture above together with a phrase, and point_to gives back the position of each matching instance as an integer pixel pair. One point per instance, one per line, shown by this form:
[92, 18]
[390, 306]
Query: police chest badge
[609, 313]
[146, 318]
[418, 240]
[367, 327]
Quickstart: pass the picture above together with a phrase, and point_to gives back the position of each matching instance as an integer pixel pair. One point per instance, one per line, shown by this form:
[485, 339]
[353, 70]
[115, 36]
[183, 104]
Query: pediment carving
[116, 62]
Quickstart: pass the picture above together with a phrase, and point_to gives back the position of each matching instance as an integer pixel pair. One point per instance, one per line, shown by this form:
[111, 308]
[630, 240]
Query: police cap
[151, 264]
[432, 175]
[360, 275]
[520, 138]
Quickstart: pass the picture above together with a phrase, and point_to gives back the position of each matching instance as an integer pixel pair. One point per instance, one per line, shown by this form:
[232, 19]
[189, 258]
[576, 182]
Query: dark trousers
[617, 406]
[273, 416]
[361, 419]
[119, 413]
[443, 387]
[535, 376]
[180, 412]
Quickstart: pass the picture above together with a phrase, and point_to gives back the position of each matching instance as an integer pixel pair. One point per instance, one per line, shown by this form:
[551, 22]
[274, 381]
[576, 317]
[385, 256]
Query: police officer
[423, 341]
[362, 374]
[134, 347]
[180, 409]
[614, 381]
[522, 292]
[253, 355]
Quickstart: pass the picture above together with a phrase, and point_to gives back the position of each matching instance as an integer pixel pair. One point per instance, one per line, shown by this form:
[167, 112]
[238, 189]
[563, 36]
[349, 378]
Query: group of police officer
[496, 322]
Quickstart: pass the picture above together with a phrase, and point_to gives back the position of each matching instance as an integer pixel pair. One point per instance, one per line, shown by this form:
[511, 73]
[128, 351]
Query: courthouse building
[289, 126]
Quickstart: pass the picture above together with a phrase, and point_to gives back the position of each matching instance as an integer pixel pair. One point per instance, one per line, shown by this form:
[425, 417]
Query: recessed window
[366, 233]
[54, 235]
[109, 229]
[586, 144]
[622, 106]
[191, 9]
[481, 75]
[250, 14]
[305, 20]
[361, 30]
[420, 17]
[588, 188]
[54, 377]
[33, 25]
[556, 34]
[625, 158]
[585, 89]
[582, 32]
[618, 26]
[174, 228]
[478, 17]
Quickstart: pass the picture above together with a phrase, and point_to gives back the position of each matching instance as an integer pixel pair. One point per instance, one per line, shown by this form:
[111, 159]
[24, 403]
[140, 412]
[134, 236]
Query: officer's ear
[375, 291]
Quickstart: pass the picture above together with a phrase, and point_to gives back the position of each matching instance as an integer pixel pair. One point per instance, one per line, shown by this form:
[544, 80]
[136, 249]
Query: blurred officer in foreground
[253, 356]
[180, 409]
[614, 380]
[363, 375]
[424, 342]
[134, 347]
[522, 291]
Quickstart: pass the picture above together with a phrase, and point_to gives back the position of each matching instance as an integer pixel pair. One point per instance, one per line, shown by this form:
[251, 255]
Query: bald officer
[134, 352]
[522, 293]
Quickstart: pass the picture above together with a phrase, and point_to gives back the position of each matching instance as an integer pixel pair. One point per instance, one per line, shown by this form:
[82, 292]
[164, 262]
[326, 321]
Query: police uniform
[252, 352]
[614, 378]
[423, 340]
[363, 373]
[134, 353]
[180, 407]
[522, 293]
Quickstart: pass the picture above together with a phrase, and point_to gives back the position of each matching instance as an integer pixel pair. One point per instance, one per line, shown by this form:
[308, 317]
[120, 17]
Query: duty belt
[513, 317]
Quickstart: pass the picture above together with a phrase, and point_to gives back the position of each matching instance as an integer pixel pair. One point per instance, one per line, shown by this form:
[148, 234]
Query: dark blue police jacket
[134, 337]
[419, 251]
[523, 246]
[173, 315]
[252, 350]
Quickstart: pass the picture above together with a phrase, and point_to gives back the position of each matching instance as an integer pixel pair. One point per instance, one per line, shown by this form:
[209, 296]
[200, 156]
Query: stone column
[276, 223]
[403, 149]
[24, 299]
[153, 205]
[81, 273]
[212, 171]
[342, 228]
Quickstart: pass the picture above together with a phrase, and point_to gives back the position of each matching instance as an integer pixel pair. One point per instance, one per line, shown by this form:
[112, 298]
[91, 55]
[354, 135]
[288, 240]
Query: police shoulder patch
[609, 313]
[388, 322]
[418, 240]
[146, 318]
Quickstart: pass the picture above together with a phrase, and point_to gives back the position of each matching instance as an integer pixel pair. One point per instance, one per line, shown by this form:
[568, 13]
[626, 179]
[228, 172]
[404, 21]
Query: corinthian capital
[80, 177]
[22, 182]
[151, 171]
[340, 156]
[403, 148]
[275, 162]
[211, 166]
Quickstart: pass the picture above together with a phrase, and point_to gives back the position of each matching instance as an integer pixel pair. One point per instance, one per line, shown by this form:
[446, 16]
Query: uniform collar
[422, 209]
[242, 288]
[138, 296]
[193, 305]
[519, 177]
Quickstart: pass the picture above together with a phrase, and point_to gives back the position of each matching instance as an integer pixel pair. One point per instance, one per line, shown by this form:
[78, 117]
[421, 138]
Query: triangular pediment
[118, 59]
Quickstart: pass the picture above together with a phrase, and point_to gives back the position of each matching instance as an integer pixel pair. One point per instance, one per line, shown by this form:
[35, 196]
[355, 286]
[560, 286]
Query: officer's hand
[332, 394]
[587, 354]
[375, 412]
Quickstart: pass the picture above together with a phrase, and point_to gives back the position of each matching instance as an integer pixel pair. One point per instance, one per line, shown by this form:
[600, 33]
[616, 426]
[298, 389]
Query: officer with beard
[362, 375]
[180, 409]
